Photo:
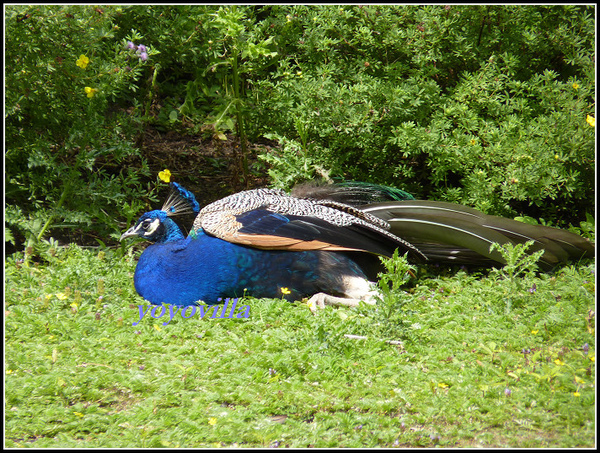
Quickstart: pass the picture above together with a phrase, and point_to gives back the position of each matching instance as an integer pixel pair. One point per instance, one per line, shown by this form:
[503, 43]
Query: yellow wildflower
[559, 362]
[575, 86]
[165, 175]
[82, 61]
[576, 394]
[61, 296]
[90, 91]
[212, 421]
[591, 121]
[285, 291]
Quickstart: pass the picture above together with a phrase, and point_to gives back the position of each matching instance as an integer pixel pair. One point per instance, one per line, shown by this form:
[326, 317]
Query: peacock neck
[171, 233]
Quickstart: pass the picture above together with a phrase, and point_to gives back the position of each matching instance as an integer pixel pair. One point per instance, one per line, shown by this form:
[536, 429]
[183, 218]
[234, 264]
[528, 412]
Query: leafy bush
[483, 105]
[210, 54]
[490, 106]
[69, 143]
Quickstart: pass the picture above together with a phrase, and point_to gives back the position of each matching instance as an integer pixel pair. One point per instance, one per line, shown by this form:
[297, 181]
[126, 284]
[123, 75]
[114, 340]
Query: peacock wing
[265, 229]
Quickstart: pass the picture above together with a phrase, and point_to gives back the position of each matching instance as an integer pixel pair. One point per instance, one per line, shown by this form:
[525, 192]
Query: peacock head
[156, 226]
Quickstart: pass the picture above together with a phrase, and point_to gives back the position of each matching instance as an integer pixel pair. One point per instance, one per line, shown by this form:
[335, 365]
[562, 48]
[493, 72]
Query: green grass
[483, 362]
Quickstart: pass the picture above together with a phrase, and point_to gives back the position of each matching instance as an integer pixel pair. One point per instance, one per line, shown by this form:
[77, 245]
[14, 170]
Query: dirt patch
[209, 167]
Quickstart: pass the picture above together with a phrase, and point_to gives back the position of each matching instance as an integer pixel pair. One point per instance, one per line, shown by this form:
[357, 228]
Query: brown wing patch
[265, 241]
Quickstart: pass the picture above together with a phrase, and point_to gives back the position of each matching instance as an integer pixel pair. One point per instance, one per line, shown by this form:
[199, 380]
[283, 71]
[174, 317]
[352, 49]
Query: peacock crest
[180, 201]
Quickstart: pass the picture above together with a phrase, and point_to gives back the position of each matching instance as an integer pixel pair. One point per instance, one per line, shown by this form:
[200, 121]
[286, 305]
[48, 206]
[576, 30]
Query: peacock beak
[131, 232]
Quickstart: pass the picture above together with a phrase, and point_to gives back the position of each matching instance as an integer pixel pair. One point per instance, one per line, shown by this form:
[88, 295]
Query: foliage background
[482, 105]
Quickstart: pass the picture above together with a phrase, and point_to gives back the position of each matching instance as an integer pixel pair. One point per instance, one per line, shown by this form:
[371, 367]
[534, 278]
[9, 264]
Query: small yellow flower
[591, 121]
[61, 296]
[157, 328]
[90, 91]
[443, 385]
[576, 394]
[575, 86]
[534, 331]
[579, 380]
[165, 175]
[285, 291]
[82, 61]
[212, 421]
[559, 362]
[79, 414]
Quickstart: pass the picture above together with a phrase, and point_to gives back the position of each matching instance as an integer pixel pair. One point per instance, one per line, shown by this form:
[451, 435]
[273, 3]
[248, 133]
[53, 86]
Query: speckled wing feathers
[345, 227]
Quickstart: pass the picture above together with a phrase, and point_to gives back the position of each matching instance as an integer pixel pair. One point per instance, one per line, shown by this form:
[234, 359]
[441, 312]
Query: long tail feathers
[353, 193]
[451, 233]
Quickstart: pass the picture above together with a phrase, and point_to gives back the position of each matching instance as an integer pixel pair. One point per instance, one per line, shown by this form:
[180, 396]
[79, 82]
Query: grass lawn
[453, 361]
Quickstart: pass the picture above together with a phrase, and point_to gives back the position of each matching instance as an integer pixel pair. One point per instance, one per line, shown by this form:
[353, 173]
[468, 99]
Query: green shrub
[70, 152]
[483, 105]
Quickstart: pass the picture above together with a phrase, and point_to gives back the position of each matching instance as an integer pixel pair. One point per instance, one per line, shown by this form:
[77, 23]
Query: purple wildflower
[507, 391]
[533, 289]
[143, 56]
[131, 45]
[586, 348]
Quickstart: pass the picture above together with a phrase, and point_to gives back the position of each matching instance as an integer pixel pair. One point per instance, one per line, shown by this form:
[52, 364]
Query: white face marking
[151, 228]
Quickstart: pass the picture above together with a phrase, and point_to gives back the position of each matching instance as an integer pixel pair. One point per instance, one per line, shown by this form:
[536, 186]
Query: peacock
[319, 241]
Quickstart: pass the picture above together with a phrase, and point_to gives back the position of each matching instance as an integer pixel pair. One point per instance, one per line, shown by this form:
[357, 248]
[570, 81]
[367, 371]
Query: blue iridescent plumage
[221, 269]
[321, 241]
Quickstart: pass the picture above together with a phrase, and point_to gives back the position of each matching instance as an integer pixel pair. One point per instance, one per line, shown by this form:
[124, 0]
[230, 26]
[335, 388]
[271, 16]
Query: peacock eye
[146, 224]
